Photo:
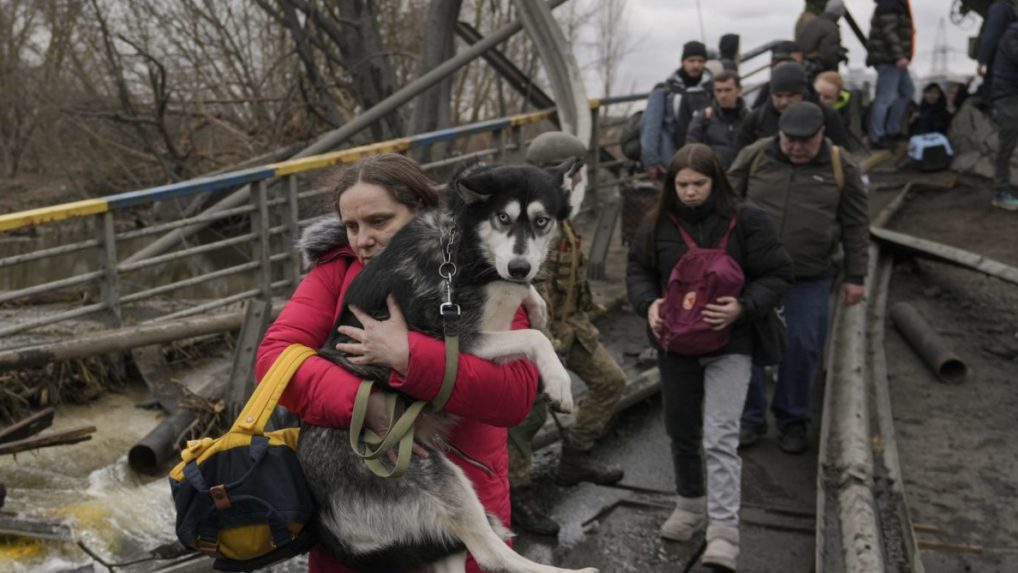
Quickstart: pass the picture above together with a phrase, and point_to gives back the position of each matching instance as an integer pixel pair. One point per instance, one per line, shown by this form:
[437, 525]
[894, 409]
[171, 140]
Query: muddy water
[118, 514]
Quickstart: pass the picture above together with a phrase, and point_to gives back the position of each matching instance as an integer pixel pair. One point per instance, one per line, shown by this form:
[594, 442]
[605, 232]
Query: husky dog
[505, 218]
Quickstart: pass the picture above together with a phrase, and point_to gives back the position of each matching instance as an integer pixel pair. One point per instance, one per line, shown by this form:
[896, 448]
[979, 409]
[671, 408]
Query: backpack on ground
[630, 138]
[700, 277]
[242, 498]
[930, 152]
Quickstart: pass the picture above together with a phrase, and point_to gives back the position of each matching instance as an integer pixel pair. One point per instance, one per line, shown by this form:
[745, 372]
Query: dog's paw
[537, 309]
[558, 388]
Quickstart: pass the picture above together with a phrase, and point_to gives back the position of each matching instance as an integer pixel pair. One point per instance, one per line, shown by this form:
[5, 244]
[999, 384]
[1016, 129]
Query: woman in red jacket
[374, 199]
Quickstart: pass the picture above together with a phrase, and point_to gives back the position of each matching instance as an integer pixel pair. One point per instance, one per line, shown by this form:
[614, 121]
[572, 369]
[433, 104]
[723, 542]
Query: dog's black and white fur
[505, 219]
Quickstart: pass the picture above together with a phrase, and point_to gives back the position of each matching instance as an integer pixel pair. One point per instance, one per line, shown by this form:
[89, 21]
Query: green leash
[401, 432]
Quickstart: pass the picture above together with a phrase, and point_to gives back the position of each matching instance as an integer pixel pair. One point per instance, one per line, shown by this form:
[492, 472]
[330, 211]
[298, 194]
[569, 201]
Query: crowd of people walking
[761, 214]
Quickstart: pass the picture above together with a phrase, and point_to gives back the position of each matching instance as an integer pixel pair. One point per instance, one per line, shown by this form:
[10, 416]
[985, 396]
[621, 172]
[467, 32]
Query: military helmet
[554, 147]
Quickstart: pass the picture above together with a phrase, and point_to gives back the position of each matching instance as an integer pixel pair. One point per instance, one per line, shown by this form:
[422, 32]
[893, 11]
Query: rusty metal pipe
[155, 449]
[928, 344]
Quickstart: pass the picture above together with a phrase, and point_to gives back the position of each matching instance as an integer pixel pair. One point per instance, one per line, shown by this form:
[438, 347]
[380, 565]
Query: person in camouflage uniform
[567, 294]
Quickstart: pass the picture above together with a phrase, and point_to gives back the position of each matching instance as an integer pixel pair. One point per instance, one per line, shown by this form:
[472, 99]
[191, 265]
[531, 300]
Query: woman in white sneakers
[707, 273]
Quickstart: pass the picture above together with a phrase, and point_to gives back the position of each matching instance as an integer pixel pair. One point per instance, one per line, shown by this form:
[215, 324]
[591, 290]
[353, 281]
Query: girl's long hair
[699, 158]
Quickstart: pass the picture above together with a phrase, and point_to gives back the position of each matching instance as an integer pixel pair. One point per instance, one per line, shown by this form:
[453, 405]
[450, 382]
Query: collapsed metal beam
[928, 344]
[911, 245]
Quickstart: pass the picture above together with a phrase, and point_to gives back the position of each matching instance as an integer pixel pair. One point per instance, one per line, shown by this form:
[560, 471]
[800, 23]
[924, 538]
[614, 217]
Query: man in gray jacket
[718, 124]
[813, 192]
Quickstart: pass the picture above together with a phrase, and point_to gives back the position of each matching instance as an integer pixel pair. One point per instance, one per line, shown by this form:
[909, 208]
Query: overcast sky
[658, 28]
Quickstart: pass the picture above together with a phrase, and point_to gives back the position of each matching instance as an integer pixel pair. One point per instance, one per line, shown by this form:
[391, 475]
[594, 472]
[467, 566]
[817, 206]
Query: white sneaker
[690, 516]
[722, 547]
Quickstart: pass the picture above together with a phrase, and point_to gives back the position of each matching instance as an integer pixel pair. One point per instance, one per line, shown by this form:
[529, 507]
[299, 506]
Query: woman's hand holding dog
[722, 315]
[382, 342]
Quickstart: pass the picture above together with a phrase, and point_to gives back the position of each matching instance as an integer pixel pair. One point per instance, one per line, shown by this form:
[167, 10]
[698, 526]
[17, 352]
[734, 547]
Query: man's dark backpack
[630, 139]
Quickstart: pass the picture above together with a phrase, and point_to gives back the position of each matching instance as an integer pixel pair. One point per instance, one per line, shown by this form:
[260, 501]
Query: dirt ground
[962, 217]
[956, 442]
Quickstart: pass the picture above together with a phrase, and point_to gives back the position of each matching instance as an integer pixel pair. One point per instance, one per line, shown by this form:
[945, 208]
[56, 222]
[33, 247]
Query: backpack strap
[728, 233]
[690, 243]
[256, 412]
[839, 170]
[757, 160]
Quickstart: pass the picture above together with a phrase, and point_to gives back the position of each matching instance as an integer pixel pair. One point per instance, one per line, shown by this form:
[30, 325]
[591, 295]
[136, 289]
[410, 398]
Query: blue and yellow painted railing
[204, 184]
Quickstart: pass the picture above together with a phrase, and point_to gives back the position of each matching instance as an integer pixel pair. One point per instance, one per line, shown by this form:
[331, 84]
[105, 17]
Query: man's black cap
[801, 120]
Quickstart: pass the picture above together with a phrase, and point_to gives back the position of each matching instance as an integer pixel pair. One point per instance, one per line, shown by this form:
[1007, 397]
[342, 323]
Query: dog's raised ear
[572, 174]
[469, 190]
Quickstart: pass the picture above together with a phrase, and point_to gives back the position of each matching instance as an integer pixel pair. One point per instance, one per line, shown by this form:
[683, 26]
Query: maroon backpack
[699, 278]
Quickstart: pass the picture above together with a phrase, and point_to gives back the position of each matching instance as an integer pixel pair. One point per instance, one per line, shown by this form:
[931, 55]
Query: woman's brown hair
[401, 176]
[699, 158]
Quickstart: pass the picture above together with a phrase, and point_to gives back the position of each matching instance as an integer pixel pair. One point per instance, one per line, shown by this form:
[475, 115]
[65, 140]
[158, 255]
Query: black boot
[528, 514]
[579, 465]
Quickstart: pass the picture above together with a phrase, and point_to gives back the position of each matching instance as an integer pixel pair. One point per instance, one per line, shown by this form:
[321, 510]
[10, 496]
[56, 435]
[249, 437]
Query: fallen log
[64, 438]
[122, 339]
[29, 426]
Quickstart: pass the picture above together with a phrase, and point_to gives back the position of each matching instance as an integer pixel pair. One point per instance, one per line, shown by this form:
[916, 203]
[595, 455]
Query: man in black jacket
[788, 86]
[1005, 114]
[890, 50]
[718, 124]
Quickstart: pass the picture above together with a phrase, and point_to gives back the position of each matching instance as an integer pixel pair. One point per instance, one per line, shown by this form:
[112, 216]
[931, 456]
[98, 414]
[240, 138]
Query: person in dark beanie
[728, 48]
[1005, 115]
[890, 49]
[813, 192]
[932, 115]
[788, 85]
[670, 108]
[785, 51]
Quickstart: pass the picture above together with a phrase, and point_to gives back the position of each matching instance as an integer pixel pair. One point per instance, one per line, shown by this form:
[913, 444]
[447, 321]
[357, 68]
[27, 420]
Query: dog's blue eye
[503, 218]
[541, 222]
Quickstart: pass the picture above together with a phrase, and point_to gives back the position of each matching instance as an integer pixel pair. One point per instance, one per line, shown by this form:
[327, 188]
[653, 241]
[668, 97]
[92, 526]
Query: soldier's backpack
[630, 139]
[700, 277]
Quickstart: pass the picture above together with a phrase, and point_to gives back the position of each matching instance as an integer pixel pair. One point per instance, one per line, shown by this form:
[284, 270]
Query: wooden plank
[64, 438]
[257, 315]
[28, 426]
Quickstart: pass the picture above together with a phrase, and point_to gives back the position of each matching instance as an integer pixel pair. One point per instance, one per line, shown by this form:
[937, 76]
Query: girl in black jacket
[703, 395]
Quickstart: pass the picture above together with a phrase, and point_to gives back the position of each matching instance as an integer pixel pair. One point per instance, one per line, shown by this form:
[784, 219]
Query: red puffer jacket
[487, 397]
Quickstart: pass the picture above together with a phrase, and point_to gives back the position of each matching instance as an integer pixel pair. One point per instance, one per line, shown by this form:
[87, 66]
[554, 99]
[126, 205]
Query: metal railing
[256, 262]
[262, 261]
